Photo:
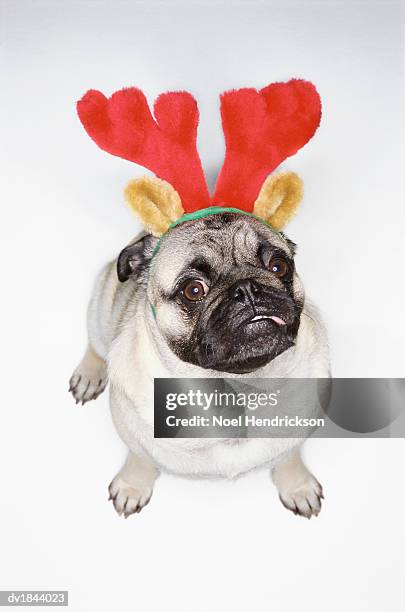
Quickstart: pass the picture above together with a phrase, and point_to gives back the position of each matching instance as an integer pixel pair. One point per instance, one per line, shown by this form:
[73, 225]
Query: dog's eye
[279, 267]
[195, 290]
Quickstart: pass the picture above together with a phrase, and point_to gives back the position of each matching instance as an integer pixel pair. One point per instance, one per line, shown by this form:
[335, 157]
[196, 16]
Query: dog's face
[225, 292]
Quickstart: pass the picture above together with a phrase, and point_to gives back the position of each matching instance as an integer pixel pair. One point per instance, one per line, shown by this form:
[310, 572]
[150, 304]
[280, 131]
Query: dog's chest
[134, 363]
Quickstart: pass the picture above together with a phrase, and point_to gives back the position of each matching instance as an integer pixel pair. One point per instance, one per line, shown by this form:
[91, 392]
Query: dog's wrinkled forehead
[222, 242]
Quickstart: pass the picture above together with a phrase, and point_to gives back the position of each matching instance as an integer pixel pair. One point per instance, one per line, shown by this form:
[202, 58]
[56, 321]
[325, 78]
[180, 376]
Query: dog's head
[223, 289]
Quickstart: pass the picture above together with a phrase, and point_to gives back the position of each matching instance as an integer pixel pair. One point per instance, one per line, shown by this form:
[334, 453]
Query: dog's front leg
[298, 489]
[132, 487]
[89, 379]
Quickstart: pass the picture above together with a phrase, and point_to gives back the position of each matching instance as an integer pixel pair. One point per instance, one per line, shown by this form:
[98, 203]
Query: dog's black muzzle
[245, 327]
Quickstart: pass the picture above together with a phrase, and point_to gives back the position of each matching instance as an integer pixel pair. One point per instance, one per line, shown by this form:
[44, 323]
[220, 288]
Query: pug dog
[217, 296]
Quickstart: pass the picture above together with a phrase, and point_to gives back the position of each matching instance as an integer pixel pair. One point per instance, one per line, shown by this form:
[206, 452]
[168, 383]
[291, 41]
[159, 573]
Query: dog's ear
[135, 258]
[279, 199]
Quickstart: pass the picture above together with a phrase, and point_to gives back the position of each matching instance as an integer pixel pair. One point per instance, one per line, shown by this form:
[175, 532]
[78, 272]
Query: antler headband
[261, 128]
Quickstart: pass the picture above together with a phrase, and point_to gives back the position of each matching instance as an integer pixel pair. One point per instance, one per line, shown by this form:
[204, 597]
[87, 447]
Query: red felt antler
[262, 128]
[123, 125]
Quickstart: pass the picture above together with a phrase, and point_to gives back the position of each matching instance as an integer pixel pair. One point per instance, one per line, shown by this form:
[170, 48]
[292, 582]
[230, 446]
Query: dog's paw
[303, 497]
[87, 385]
[127, 498]
[89, 379]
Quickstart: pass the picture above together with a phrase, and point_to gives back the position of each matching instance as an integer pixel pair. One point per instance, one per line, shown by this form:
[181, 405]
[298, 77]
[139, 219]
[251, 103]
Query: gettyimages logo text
[218, 399]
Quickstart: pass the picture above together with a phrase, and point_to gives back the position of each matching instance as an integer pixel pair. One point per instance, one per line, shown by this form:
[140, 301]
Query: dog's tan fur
[125, 337]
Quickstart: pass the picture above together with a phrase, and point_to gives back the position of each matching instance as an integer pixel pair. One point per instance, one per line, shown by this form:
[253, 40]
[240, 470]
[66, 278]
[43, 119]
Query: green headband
[205, 212]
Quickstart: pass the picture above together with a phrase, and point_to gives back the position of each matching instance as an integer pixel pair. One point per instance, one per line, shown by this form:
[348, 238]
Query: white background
[199, 545]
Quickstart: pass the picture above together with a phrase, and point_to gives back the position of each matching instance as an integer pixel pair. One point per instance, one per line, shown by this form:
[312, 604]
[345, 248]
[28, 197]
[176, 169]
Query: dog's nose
[245, 291]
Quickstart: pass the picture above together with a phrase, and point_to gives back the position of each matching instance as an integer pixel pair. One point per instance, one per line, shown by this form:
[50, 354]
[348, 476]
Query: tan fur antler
[154, 202]
[279, 198]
